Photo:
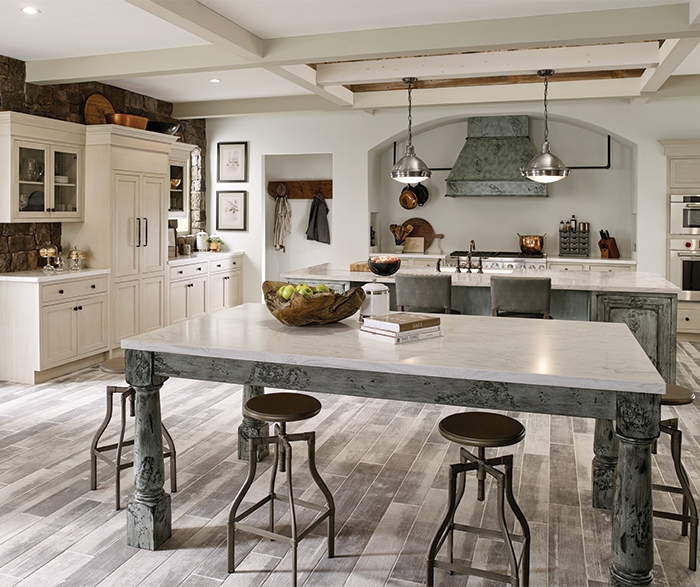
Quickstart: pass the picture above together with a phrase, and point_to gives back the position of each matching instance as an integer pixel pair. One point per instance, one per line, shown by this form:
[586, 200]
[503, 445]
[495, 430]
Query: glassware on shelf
[61, 264]
[76, 257]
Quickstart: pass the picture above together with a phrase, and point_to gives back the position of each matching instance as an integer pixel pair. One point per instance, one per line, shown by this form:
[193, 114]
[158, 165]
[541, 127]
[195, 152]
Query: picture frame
[232, 162]
[231, 210]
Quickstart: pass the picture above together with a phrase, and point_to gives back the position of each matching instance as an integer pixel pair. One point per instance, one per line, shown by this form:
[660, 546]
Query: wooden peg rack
[303, 189]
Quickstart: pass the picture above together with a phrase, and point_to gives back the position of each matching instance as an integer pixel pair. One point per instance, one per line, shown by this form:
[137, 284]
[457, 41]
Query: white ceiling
[262, 50]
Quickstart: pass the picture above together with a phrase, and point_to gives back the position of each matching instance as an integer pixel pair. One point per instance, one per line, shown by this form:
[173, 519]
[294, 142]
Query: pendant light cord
[410, 134]
[546, 127]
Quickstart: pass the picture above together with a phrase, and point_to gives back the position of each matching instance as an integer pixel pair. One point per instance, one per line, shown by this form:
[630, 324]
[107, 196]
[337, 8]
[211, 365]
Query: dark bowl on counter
[384, 268]
[167, 128]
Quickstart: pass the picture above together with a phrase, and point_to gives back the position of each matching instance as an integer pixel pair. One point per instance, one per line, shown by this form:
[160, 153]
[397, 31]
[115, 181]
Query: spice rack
[574, 243]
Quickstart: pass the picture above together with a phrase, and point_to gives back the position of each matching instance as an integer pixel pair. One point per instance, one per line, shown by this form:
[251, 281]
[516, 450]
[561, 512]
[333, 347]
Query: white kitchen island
[646, 302]
[545, 366]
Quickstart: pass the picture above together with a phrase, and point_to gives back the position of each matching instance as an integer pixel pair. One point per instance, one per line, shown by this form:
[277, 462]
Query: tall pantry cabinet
[126, 183]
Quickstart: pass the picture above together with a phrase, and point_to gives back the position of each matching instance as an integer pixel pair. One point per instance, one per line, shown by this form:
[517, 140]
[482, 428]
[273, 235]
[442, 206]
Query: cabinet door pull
[145, 231]
[139, 231]
[93, 286]
[179, 272]
[219, 265]
[60, 291]
[75, 308]
[199, 268]
[80, 307]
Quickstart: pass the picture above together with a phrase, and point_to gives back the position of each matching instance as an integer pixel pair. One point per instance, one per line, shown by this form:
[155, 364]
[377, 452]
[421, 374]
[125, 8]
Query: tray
[422, 228]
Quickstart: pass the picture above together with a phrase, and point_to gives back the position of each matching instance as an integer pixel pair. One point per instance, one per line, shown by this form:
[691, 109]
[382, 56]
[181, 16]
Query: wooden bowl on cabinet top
[130, 120]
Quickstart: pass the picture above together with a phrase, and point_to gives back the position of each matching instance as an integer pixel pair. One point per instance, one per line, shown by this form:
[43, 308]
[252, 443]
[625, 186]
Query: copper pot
[531, 245]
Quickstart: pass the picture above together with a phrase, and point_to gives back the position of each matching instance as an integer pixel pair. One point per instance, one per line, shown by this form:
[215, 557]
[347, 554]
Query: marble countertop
[590, 260]
[39, 276]
[536, 352]
[200, 256]
[607, 281]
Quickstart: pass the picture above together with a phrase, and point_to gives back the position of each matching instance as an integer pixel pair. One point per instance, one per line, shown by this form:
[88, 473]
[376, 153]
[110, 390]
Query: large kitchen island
[646, 302]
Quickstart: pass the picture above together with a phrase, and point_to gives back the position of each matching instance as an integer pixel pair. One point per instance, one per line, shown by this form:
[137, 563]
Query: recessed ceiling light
[214, 80]
[30, 10]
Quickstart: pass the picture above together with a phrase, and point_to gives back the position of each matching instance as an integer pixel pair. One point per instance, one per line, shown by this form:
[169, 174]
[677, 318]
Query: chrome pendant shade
[410, 169]
[545, 167]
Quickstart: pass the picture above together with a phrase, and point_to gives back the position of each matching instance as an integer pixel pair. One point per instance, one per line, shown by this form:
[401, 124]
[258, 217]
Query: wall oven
[684, 267]
[685, 215]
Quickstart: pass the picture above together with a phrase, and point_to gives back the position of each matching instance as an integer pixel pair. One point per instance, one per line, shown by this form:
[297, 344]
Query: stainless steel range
[496, 260]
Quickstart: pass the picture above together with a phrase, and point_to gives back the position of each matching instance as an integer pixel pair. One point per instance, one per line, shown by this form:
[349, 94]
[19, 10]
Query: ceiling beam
[587, 28]
[202, 21]
[223, 108]
[493, 63]
[694, 12]
[672, 53]
[305, 77]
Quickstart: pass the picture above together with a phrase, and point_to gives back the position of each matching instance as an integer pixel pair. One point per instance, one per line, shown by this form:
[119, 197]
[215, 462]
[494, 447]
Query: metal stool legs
[126, 393]
[470, 462]
[689, 517]
[283, 451]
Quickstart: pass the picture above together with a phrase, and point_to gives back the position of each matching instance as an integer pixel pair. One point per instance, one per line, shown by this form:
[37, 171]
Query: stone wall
[67, 102]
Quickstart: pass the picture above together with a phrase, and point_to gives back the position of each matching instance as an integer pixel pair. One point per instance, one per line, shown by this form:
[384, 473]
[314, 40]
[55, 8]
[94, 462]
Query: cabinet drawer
[688, 318]
[187, 271]
[565, 267]
[225, 264]
[72, 289]
[596, 267]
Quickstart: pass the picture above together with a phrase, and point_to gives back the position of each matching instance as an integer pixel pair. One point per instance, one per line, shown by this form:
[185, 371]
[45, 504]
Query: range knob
[510, 266]
[494, 265]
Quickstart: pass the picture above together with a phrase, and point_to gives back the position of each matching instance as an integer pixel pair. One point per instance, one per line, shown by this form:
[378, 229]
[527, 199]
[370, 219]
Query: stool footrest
[467, 569]
[486, 532]
[674, 516]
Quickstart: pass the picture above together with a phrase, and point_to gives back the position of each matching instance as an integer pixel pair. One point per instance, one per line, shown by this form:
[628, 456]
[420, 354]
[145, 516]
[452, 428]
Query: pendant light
[410, 169]
[545, 167]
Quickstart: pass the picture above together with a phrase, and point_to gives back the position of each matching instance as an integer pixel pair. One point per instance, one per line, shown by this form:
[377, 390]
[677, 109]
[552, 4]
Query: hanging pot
[531, 244]
[408, 198]
[422, 192]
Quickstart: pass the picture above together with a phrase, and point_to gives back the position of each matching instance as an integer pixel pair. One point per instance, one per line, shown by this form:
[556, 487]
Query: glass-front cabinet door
[48, 185]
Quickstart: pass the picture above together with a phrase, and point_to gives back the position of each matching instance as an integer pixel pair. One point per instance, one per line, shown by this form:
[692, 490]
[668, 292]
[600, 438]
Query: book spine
[400, 338]
[401, 327]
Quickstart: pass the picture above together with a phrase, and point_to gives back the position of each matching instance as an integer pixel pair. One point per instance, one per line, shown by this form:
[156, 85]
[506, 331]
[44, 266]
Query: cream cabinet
[188, 291]
[44, 169]
[587, 265]
[49, 322]
[180, 184]
[225, 283]
[125, 228]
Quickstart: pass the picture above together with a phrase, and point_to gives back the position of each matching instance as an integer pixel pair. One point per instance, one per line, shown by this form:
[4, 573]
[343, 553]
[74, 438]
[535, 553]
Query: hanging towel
[318, 220]
[283, 221]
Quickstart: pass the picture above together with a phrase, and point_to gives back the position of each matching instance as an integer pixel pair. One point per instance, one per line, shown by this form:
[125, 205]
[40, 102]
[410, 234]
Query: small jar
[76, 257]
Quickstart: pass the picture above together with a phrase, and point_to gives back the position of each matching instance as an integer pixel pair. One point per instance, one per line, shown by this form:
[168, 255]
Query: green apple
[301, 285]
[281, 289]
[322, 288]
[306, 291]
[288, 291]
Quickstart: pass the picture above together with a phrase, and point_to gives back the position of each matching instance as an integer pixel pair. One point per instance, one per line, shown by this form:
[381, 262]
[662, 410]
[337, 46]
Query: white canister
[202, 244]
[376, 300]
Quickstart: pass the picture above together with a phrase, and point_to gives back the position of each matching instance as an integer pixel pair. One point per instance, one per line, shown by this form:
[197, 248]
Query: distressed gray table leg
[638, 417]
[251, 428]
[605, 447]
[148, 515]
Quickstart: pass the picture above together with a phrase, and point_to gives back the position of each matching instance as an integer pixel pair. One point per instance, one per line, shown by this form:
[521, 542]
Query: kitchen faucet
[472, 246]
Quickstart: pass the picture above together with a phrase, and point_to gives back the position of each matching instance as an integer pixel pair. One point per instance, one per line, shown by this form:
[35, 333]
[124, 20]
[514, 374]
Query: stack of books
[400, 327]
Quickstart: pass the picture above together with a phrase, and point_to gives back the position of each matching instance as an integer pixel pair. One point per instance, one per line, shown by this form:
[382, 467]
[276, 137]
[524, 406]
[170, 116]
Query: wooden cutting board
[96, 106]
[360, 266]
[422, 228]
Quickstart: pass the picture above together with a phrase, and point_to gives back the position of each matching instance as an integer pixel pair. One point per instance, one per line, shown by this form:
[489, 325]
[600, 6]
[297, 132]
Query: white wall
[360, 146]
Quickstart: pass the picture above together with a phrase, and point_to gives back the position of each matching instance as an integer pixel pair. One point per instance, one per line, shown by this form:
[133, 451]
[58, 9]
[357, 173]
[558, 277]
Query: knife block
[608, 248]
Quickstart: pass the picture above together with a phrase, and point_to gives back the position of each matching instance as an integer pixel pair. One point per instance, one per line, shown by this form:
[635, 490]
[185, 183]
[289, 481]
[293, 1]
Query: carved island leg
[638, 417]
[605, 447]
[251, 428]
[148, 515]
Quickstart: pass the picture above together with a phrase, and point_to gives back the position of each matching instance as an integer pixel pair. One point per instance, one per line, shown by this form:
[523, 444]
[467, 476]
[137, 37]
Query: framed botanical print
[231, 210]
[232, 162]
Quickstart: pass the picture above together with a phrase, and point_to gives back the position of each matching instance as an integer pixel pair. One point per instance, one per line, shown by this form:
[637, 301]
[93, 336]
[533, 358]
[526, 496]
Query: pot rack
[302, 189]
[607, 166]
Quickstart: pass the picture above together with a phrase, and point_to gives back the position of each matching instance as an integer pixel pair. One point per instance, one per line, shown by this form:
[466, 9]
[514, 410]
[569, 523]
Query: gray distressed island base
[545, 366]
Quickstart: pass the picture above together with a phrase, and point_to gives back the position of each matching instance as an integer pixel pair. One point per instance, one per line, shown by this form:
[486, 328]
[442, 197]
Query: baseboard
[688, 337]
[43, 376]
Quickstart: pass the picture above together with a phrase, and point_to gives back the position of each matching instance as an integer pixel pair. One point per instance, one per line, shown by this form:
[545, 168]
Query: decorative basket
[320, 308]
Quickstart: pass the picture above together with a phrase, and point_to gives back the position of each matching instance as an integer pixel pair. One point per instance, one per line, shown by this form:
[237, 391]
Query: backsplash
[19, 244]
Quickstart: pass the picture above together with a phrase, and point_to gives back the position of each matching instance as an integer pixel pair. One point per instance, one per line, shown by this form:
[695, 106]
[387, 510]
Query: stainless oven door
[684, 271]
[685, 218]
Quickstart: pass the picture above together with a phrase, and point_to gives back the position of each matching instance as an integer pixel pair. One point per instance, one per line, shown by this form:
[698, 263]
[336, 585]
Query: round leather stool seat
[677, 396]
[115, 365]
[282, 407]
[482, 429]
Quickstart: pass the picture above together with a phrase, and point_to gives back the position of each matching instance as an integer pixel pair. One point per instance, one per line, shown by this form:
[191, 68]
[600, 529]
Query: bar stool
[116, 365]
[677, 396]
[482, 430]
[282, 408]
[520, 297]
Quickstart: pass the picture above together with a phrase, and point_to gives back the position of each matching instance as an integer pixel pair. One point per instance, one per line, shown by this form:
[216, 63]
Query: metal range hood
[490, 160]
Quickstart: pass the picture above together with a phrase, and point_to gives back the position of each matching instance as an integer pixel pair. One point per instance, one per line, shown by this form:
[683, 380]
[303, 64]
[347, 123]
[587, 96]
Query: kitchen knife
[607, 234]
[602, 233]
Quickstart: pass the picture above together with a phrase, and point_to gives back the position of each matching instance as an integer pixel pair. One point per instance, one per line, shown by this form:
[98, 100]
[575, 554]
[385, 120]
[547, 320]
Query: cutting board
[96, 106]
[422, 228]
[360, 266]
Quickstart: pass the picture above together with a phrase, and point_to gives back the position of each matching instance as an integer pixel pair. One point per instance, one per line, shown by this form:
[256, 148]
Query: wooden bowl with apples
[299, 305]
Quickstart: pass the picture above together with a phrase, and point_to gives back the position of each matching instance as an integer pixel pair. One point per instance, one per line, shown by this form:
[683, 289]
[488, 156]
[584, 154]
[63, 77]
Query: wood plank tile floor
[384, 461]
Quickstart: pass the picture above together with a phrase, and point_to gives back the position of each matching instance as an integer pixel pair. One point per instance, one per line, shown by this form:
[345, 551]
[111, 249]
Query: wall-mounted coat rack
[302, 189]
